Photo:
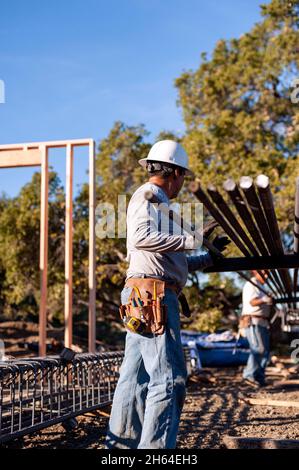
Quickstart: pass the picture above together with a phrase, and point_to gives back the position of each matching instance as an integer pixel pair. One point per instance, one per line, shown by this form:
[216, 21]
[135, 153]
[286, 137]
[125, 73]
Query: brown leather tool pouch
[245, 321]
[153, 312]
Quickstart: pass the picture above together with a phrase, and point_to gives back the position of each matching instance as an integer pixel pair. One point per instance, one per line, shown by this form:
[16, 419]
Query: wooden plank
[20, 158]
[68, 299]
[104, 414]
[48, 144]
[104, 411]
[92, 253]
[290, 383]
[43, 252]
[269, 402]
[277, 371]
[282, 361]
[234, 442]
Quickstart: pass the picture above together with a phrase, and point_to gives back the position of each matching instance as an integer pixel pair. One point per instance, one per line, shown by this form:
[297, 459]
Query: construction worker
[151, 388]
[255, 320]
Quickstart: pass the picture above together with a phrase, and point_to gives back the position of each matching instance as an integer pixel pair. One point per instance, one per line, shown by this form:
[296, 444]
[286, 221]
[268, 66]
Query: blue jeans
[150, 392]
[259, 343]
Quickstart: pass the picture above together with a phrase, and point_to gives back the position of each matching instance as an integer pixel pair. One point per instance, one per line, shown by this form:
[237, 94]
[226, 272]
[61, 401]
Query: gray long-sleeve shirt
[154, 246]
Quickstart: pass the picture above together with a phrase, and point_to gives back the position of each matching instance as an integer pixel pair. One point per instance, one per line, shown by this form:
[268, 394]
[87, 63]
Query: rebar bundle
[37, 393]
[248, 217]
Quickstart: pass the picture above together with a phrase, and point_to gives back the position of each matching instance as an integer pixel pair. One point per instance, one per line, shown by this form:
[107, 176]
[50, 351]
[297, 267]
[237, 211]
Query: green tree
[19, 249]
[236, 105]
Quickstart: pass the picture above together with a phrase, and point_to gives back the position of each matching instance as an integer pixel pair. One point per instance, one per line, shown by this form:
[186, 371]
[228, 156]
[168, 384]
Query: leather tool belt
[146, 311]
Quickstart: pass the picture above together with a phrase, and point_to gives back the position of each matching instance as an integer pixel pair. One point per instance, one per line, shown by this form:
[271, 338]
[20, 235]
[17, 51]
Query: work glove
[220, 242]
[267, 299]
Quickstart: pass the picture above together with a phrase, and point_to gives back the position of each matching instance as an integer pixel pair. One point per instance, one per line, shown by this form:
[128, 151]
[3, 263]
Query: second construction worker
[255, 320]
[150, 392]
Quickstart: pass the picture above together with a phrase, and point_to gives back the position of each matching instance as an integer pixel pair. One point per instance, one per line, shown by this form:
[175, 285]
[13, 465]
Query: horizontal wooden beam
[47, 144]
[254, 263]
[20, 158]
[288, 383]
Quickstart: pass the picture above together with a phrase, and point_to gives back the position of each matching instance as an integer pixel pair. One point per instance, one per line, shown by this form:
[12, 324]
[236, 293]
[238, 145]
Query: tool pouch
[245, 321]
[153, 313]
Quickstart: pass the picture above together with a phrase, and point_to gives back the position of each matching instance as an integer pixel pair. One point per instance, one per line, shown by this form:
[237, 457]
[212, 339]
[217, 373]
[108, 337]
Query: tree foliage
[236, 105]
[19, 248]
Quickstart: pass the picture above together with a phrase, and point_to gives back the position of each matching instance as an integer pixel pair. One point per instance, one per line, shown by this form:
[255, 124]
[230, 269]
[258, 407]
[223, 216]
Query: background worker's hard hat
[168, 151]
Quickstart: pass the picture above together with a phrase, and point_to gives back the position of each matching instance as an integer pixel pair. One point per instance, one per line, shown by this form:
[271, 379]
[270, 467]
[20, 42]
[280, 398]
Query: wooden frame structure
[36, 154]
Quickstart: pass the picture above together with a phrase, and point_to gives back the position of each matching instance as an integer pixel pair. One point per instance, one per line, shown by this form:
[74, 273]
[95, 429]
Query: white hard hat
[168, 151]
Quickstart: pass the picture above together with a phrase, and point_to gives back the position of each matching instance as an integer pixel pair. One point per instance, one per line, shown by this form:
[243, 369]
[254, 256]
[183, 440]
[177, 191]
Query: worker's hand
[220, 242]
[267, 300]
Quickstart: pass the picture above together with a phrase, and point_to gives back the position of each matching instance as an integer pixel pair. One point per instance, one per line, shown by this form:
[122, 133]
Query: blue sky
[72, 68]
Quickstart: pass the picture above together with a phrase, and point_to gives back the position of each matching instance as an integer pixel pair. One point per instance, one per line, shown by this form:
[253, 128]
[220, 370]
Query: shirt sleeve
[250, 292]
[146, 233]
[196, 263]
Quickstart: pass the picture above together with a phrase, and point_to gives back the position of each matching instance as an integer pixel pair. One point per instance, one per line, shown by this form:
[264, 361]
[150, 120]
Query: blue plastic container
[218, 353]
[223, 357]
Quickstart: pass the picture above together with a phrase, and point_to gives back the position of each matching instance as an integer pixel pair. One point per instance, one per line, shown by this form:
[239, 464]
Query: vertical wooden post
[43, 263]
[92, 252]
[68, 299]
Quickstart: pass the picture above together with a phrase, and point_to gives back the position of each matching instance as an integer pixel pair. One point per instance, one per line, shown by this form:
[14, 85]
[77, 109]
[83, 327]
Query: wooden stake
[92, 252]
[68, 300]
[43, 251]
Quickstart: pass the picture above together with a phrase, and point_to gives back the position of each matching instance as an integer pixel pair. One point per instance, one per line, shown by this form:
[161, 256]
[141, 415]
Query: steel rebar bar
[197, 190]
[231, 218]
[249, 191]
[234, 194]
[178, 219]
[266, 198]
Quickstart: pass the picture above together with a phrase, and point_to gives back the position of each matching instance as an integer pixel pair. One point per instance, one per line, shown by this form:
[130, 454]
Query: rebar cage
[40, 392]
[37, 393]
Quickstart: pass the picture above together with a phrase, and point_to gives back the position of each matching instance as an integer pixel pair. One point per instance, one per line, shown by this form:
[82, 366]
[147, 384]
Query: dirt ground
[213, 408]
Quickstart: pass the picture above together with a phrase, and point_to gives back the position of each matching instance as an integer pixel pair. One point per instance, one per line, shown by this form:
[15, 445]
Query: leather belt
[255, 316]
[145, 283]
[133, 281]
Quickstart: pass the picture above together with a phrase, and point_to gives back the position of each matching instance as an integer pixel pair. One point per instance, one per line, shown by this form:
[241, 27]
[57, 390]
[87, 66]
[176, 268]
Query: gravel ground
[214, 411]
[213, 408]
